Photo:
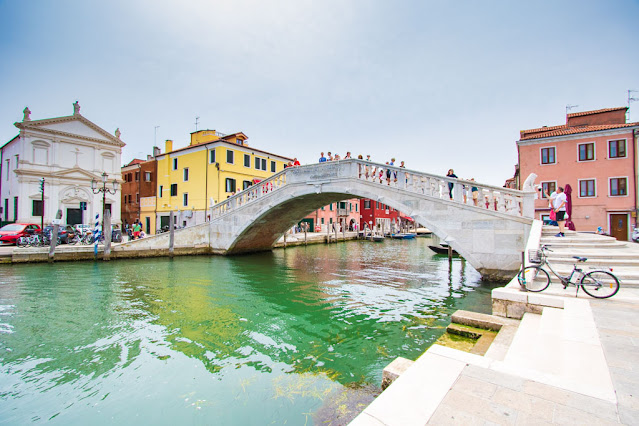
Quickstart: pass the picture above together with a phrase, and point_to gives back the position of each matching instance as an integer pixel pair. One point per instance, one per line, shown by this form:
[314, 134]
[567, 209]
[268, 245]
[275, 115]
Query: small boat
[442, 249]
[378, 238]
[407, 236]
[423, 232]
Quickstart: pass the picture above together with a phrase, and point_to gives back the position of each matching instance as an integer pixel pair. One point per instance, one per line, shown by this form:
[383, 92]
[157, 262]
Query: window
[161, 189]
[367, 204]
[147, 176]
[37, 209]
[330, 207]
[617, 149]
[230, 183]
[273, 166]
[342, 205]
[137, 176]
[356, 206]
[260, 163]
[587, 188]
[246, 184]
[548, 187]
[586, 152]
[322, 221]
[212, 156]
[185, 199]
[174, 190]
[618, 186]
[247, 160]
[175, 164]
[137, 198]
[239, 141]
[229, 156]
[186, 174]
[548, 155]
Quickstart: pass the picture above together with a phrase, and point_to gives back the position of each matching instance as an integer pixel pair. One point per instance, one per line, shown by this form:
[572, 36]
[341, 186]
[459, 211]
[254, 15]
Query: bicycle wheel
[22, 242]
[534, 278]
[600, 284]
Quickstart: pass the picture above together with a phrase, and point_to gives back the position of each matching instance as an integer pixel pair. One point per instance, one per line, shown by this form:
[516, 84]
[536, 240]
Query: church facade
[68, 153]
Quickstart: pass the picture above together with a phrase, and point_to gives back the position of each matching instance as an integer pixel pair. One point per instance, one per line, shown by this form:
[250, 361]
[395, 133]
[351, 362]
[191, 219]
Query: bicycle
[598, 283]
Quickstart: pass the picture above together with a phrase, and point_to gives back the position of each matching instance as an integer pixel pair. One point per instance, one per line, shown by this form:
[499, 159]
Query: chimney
[149, 157]
[156, 151]
[168, 145]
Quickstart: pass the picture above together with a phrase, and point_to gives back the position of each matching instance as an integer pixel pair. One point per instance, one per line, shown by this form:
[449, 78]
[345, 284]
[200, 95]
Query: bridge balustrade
[504, 200]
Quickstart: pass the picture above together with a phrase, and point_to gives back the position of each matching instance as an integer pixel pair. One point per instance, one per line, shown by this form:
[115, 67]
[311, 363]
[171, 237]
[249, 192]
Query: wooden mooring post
[106, 232]
[54, 235]
[171, 234]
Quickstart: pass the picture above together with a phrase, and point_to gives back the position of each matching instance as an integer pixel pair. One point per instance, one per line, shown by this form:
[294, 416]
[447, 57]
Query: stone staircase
[601, 251]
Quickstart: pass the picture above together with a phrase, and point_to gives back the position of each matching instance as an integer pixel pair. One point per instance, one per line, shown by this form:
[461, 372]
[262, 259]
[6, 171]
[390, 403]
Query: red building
[376, 214]
[140, 179]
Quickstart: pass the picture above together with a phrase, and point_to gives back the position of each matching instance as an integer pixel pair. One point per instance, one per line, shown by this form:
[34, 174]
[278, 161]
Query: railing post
[528, 205]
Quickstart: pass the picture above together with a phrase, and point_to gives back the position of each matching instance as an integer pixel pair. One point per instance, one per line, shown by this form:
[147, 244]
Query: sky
[438, 84]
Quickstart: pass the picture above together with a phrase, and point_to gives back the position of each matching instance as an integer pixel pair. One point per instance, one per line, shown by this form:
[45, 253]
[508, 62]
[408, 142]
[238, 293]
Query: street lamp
[104, 190]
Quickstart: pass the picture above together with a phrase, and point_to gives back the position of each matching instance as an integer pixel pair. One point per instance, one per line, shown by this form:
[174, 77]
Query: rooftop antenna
[631, 99]
[569, 107]
[196, 121]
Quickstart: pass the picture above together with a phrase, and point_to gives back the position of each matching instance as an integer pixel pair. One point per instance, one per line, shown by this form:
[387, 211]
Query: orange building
[596, 153]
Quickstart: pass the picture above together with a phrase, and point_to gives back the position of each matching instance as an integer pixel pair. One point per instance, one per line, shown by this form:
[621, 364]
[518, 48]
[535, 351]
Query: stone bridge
[490, 236]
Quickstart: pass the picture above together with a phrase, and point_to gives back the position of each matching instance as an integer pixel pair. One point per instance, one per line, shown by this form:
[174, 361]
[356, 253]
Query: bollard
[450, 253]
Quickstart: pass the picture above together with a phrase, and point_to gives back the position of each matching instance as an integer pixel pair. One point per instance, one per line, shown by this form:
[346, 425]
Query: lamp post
[104, 190]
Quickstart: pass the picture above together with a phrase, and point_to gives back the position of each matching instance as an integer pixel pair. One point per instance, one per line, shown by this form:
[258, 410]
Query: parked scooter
[635, 235]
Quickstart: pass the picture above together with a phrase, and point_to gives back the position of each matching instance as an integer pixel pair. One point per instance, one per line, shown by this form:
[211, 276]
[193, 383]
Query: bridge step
[565, 243]
[597, 261]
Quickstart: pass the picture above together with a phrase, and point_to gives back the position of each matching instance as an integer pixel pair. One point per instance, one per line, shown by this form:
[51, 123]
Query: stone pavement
[572, 360]
[618, 327]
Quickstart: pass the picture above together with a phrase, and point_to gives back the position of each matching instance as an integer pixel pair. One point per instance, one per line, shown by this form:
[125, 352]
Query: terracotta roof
[543, 129]
[136, 161]
[563, 130]
[222, 141]
[597, 111]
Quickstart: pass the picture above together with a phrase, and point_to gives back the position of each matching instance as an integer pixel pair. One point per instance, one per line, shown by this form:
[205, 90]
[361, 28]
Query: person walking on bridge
[451, 174]
[559, 206]
[322, 159]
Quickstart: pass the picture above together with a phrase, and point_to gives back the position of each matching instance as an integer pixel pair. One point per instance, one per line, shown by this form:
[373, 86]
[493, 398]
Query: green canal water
[297, 336]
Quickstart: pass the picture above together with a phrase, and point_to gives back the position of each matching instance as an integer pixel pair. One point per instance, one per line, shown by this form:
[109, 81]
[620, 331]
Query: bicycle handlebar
[545, 247]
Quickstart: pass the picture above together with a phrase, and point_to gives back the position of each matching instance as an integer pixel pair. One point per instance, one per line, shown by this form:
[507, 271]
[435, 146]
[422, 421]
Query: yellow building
[209, 170]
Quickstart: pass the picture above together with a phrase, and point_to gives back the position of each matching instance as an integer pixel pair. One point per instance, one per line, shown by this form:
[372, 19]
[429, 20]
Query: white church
[69, 153]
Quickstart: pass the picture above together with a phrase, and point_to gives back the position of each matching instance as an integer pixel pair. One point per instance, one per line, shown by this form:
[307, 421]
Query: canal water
[297, 336]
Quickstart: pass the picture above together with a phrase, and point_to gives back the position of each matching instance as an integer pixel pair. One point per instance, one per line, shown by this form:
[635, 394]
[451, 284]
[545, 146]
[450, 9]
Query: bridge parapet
[503, 200]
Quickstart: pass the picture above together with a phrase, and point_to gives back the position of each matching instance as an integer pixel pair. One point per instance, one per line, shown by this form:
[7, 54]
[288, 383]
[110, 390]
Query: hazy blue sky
[438, 84]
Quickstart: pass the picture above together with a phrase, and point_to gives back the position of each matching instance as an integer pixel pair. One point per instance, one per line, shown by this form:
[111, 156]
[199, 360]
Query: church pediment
[75, 173]
[72, 126]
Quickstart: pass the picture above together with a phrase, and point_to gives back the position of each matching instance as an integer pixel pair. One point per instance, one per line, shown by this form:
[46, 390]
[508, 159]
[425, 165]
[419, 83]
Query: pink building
[596, 153]
[346, 213]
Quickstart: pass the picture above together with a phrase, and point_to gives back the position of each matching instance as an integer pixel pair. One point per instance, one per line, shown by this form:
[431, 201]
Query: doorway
[619, 226]
[74, 216]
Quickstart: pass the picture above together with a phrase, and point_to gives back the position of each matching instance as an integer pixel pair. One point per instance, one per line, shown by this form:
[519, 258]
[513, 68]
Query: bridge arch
[490, 236]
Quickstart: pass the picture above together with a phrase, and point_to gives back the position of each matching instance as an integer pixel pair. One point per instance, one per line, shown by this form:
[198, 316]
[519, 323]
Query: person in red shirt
[296, 162]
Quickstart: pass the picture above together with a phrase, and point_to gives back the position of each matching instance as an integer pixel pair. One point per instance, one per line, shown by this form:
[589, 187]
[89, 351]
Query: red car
[10, 233]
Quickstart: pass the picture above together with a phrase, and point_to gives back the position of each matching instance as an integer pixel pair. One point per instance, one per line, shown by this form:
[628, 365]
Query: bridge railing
[461, 191]
[252, 193]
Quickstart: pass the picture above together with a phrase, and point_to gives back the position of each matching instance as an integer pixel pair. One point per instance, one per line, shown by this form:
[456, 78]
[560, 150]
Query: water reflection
[217, 333]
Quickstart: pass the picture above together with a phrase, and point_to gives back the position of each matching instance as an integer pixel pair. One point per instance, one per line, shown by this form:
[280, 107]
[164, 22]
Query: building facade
[210, 169]
[595, 152]
[138, 187]
[376, 215]
[68, 152]
[345, 213]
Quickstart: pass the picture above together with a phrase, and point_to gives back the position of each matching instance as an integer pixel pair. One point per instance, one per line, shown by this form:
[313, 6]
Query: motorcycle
[635, 235]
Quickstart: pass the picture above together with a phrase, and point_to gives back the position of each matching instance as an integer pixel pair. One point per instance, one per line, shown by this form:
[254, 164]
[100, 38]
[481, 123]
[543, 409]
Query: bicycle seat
[580, 259]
